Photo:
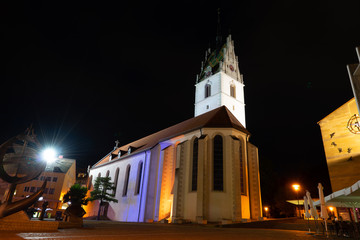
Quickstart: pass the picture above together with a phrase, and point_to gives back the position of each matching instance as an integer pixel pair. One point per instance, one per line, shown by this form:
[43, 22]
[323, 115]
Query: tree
[76, 195]
[102, 187]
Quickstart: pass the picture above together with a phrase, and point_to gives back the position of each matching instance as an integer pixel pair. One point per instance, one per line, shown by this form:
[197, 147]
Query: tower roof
[212, 62]
[218, 118]
[222, 59]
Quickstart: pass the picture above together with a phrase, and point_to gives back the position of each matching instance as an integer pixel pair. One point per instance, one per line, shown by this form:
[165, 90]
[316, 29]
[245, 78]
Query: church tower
[220, 82]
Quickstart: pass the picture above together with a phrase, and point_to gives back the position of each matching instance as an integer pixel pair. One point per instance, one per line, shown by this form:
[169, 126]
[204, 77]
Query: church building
[201, 170]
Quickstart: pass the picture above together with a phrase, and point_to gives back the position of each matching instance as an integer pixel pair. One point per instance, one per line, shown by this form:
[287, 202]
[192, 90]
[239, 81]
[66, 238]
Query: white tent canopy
[348, 197]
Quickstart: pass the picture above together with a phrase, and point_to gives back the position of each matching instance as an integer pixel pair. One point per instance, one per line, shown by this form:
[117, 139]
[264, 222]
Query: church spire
[218, 33]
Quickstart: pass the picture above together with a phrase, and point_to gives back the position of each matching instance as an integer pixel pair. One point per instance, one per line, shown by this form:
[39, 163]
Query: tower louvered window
[233, 91]
[207, 90]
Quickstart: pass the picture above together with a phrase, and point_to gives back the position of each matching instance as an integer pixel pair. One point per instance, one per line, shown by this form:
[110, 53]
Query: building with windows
[340, 135]
[60, 176]
[201, 170]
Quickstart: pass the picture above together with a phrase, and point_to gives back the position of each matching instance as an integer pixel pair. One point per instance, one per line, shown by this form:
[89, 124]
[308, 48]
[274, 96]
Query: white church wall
[202, 104]
[149, 205]
[151, 195]
[220, 96]
[190, 197]
[235, 105]
[220, 202]
[245, 199]
[127, 208]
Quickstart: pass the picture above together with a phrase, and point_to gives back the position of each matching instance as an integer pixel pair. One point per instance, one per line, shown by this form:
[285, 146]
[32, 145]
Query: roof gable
[218, 118]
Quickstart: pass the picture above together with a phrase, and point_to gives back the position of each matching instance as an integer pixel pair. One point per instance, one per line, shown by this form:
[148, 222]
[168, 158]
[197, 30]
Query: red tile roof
[218, 118]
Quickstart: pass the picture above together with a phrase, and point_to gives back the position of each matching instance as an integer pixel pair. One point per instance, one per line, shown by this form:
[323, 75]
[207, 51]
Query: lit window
[195, 165]
[126, 182]
[207, 90]
[218, 180]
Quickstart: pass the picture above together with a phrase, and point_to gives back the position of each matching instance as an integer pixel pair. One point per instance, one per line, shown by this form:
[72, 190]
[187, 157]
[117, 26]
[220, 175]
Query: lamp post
[296, 187]
[331, 212]
[266, 211]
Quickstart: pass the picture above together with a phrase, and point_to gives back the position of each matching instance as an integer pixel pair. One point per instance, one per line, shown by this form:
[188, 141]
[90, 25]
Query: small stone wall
[20, 222]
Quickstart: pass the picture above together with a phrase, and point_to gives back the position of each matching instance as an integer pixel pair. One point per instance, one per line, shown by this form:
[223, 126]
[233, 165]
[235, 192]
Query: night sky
[88, 73]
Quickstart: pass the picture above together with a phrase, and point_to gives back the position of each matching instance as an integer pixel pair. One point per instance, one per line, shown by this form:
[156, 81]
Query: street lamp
[296, 187]
[49, 155]
[331, 211]
[266, 211]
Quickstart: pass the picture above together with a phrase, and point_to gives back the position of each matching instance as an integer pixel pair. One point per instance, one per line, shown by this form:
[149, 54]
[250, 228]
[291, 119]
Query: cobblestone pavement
[107, 231]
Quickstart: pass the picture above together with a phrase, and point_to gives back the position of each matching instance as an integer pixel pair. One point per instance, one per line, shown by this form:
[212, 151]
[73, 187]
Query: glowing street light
[49, 155]
[296, 187]
[332, 211]
[266, 209]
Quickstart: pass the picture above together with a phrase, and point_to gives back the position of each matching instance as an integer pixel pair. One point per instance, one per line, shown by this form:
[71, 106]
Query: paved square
[114, 230]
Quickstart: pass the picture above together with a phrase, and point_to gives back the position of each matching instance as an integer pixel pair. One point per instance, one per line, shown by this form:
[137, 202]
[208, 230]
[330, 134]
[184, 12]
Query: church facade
[201, 170]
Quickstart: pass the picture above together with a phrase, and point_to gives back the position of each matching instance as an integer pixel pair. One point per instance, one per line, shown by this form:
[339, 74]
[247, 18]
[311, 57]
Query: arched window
[218, 164]
[233, 91]
[116, 179]
[138, 179]
[107, 173]
[242, 171]
[207, 90]
[195, 165]
[126, 182]
[99, 175]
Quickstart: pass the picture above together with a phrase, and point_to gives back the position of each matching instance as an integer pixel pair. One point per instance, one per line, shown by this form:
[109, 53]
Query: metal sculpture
[19, 163]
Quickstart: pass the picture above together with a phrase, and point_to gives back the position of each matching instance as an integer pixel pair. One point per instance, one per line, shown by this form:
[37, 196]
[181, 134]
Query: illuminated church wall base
[166, 182]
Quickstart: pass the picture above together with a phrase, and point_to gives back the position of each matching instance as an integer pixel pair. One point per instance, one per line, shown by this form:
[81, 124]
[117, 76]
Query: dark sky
[88, 73]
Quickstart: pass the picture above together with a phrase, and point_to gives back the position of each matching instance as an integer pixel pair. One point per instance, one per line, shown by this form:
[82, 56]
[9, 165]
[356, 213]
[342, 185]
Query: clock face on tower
[232, 68]
[354, 124]
[207, 71]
